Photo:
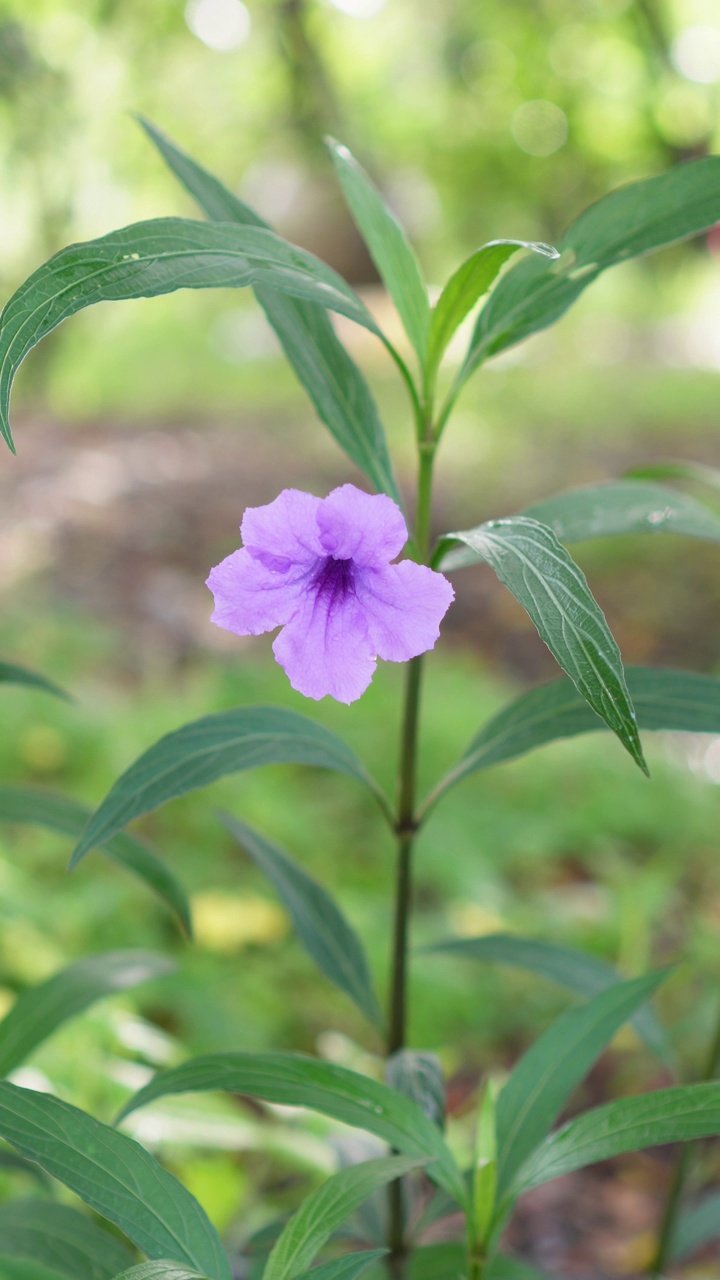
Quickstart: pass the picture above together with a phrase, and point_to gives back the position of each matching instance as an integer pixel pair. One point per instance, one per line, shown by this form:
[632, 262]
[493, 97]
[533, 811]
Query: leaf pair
[125, 1184]
[430, 330]
[239, 249]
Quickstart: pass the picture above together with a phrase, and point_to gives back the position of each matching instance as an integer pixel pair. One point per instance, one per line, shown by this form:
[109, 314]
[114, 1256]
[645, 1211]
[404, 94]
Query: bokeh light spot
[220, 24]
[696, 53]
[359, 8]
[684, 116]
[539, 127]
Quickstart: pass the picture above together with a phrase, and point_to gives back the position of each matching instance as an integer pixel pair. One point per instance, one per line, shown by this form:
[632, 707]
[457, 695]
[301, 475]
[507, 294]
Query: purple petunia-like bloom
[320, 569]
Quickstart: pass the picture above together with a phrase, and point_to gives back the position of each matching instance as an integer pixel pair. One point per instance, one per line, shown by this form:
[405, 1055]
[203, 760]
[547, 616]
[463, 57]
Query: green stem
[405, 829]
[677, 1189]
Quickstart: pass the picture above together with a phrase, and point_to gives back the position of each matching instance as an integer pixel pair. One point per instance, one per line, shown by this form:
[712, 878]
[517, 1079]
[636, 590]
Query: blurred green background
[143, 431]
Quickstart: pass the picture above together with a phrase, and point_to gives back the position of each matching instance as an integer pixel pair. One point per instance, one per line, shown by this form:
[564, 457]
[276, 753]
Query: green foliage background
[571, 844]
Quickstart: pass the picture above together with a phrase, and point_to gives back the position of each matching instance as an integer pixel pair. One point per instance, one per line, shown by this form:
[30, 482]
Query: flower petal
[368, 528]
[250, 598]
[325, 648]
[285, 531]
[403, 604]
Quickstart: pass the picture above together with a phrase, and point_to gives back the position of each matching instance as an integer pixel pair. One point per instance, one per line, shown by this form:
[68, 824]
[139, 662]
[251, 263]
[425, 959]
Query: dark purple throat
[335, 578]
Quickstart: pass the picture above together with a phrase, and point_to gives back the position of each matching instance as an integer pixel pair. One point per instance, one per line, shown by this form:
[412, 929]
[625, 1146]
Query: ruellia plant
[325, 570]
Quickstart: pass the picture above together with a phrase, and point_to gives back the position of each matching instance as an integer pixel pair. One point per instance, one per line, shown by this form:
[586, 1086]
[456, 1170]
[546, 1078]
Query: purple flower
[320, 569]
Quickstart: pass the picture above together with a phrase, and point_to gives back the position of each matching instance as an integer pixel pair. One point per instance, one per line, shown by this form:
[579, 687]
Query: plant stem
[677, 1189]
[405, 829]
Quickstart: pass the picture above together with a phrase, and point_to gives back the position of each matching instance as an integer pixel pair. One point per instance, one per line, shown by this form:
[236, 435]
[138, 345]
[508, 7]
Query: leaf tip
[7, 434]
[638, 756]
[78, 854]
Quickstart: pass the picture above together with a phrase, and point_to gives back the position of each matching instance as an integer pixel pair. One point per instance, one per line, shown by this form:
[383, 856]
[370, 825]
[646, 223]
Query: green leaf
[61, 1238]
[214, 198]
[663, 698]
[59, 813]
[673, 469]
[545, 580]
[113, 1175]
[40, 1010]
[568, 966]
[635, 219]
[326, 1209]
[299, 1081]
[25, 1269]
[446, 1261]
[631, 1124]
[154, 257]
[471, 280]
[207, 749]
[325, 933]
[163, 1269]
[541, 1083]
[16, 1164]
[388, 245]
[419, 1076]
[345, 1268]
[336, 386]
[696, 1226]
[624, 506]
[11, 673]
[501, 1267]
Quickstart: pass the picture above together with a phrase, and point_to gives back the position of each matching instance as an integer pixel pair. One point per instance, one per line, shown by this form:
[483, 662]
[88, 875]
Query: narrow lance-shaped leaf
[163, 1269]
[503, 1267]
[60, 813]
[673, 469]
[26, 1269]
[388, 245]
[696, 1226]
[546, 581]
[40, 1010]
[113, 1175]
[446, 1261]
[568, 966]
[208, 749]
[61, 1237]
[466, 285]
[11, 673]
[621, 507]
[155, 257]
[334, 1091]
[345, 1268]
[333, 381]
[325, 1210]
[663, 698]
[321, 926]
[635, 219]
[542, 1081]
[680, 1114]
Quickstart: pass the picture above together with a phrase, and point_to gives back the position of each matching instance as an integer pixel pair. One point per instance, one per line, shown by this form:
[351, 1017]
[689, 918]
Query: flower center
[334, 578]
